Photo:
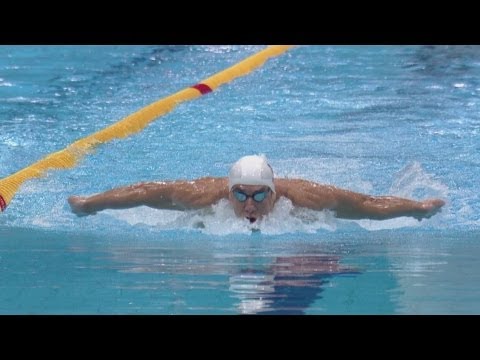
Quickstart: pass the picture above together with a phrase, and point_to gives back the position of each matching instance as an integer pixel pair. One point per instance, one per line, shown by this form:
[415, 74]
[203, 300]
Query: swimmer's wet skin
[252, 191]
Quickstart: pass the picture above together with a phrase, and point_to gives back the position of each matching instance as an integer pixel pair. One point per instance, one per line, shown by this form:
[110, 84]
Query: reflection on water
[243, 279]
[402, 272]
[288, 286]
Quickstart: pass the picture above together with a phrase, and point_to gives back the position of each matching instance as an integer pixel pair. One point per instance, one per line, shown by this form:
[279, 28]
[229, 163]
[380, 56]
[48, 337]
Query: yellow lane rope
[131, 124]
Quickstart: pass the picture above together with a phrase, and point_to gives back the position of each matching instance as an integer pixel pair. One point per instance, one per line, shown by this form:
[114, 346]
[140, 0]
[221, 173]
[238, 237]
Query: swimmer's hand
[79, 206]
[428, 208]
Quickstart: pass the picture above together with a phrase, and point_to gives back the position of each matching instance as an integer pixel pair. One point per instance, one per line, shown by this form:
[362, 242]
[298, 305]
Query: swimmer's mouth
[251, 219]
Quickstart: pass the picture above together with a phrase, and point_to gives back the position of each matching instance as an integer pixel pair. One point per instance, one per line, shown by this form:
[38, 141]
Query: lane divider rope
[133, 123]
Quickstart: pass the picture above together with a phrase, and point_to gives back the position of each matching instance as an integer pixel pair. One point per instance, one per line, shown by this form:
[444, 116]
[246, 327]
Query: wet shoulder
[286, 187]
[212, 181]
[218, 186]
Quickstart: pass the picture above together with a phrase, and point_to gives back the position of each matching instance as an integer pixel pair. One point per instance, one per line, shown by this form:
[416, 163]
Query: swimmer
[252, 191]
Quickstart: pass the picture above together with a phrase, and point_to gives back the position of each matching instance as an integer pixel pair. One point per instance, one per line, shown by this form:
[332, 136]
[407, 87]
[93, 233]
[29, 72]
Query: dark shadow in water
[48, 100]
[151, 58]
[444, 60]
[105, 80]
[288, 286]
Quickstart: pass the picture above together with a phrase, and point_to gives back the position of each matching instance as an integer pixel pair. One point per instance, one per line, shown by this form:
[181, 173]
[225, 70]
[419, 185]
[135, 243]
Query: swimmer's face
[252, 202]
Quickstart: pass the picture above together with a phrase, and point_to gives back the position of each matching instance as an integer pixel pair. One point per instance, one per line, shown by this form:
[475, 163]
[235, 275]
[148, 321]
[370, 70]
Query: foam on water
[220, 219]
[414, 183]
[285, 218]
[413, 178]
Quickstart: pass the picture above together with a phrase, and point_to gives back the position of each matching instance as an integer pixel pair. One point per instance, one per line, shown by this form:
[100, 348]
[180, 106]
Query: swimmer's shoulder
[212, 181]
[213, 188]
[285, 186]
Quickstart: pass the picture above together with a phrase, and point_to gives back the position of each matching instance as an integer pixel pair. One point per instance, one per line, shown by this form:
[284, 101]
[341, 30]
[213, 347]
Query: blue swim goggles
[258, 196]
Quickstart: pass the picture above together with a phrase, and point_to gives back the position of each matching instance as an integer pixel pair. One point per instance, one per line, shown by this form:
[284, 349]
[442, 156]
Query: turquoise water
[399, 120]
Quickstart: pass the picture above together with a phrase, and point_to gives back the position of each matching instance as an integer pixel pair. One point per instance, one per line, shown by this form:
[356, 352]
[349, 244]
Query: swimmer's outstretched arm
[351, 205]
[175, 195]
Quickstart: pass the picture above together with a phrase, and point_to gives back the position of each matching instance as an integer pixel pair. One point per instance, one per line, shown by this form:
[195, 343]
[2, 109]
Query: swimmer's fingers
[78, 206]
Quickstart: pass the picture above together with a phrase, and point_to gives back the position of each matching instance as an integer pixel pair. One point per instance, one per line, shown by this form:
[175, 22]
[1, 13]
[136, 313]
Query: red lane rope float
[131, 124]
[203, 88]
[3, 204]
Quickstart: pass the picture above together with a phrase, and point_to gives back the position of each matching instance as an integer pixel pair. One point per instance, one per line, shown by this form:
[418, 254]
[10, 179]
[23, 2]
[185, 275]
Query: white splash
[411, 179]
[220, 219]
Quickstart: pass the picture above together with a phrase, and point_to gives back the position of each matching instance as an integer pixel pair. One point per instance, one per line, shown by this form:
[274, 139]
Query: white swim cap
[251, 170]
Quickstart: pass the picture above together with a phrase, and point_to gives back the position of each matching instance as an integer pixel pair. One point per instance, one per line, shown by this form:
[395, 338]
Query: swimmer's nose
[250, 206]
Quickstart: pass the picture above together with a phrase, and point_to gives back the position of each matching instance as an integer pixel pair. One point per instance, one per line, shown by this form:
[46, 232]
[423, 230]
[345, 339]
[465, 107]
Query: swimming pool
[399, 120]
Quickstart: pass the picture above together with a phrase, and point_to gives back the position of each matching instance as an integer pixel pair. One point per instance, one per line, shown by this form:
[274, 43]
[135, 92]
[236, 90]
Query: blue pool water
[399, 120]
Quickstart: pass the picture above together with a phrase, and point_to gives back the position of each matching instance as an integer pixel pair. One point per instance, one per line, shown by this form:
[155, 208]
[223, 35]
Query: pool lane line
[133, 123]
